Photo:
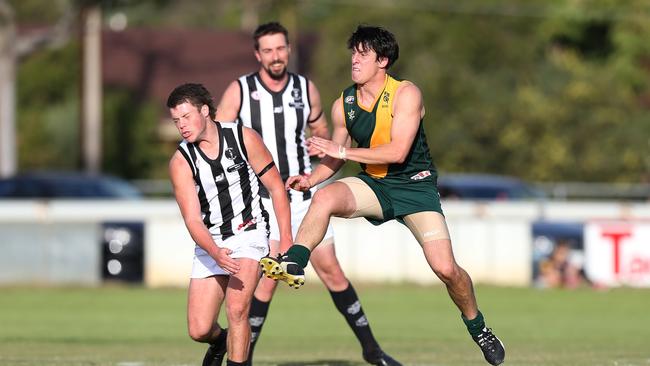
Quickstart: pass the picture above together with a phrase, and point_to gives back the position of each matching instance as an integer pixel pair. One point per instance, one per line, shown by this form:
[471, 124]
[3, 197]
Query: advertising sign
[618, 253]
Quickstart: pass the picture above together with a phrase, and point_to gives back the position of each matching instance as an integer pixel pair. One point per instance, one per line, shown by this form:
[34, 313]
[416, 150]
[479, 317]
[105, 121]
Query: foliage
[131, 145]
[48, 121]
[544, 90]
[48, 110]
[557, 96]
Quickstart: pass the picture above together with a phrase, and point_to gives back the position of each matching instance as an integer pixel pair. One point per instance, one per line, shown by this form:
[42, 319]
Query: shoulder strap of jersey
[187, 150]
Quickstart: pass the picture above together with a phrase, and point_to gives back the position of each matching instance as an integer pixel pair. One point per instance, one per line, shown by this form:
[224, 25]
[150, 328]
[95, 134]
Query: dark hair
[269, 28]
[377, 39]
[195, 94]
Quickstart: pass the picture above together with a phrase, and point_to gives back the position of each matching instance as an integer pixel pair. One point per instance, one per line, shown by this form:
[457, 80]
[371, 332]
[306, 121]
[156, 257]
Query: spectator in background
[561, 268]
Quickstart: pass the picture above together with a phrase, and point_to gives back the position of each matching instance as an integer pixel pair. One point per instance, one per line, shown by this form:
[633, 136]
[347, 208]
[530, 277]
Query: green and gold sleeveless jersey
[371, 127]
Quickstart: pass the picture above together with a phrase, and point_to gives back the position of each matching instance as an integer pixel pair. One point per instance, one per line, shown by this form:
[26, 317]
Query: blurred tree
[548, 91]
[131, 145]
[544, 91]
[13, 47]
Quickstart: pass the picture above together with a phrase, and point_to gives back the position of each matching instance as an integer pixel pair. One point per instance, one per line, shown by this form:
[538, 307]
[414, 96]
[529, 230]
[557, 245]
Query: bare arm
[329, 164]
[259, 157]
[228, 108]
[188, 202]
[317, 120]
[407, 112]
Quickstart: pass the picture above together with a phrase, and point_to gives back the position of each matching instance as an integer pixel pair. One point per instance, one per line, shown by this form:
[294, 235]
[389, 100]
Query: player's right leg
[205, 296]
[336, 199]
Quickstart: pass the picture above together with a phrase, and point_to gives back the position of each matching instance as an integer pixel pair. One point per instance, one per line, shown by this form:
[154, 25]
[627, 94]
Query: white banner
[618, 252]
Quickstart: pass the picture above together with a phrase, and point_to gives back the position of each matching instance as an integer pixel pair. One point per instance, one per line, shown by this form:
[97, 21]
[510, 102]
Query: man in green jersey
[384, 117]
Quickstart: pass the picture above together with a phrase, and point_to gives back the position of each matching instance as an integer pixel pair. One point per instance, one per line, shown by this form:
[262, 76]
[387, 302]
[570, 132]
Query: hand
[313, 151]
[327, 147]
[298, 183]
[224, 260]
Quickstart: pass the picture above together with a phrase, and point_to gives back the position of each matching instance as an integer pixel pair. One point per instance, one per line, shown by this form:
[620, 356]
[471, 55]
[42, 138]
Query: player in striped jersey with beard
[280, 105]
[215, 174]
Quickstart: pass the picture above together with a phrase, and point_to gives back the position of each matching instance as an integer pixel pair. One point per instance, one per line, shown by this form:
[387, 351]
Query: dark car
[485, 187]
[66, 185]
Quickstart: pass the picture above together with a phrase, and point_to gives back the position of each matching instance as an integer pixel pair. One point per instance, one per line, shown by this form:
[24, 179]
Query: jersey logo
[386, 97]
[246, 224]
[230, 153]
[278, 109]
[349, 99]
[219, 177]
[297, 99]
[235, 167]
[255, 95]
[421, 175]
[351, 115]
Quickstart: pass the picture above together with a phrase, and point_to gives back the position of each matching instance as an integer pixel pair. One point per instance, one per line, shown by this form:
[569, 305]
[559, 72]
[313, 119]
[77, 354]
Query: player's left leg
[328, 269]
[430, 229]
[238, 299]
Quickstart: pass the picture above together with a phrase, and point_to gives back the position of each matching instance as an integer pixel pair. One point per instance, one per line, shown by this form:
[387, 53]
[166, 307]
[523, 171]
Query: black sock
[347, 302]
[222, 337]
[300, 254]
[476, 325]
[233, 363]
[256, 318]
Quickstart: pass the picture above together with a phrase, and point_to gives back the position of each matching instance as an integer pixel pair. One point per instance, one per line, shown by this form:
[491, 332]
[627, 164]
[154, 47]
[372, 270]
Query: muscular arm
[407, 112]
[228, 108]
[317, 127]
[188, 202]
[259, 157]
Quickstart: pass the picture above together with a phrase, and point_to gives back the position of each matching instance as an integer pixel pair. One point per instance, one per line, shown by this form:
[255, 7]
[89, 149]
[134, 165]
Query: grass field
[128, 326]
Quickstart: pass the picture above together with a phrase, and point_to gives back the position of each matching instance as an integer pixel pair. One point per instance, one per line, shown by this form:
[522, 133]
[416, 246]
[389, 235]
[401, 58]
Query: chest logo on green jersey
[349, 99]
[351, 114]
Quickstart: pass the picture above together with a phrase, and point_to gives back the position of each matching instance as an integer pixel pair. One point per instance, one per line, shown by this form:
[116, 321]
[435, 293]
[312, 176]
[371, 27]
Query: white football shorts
[252, 244]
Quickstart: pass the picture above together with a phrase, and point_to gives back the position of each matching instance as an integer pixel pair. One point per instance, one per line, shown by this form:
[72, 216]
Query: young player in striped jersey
[384, 116]
[281, 105]
[215, 174]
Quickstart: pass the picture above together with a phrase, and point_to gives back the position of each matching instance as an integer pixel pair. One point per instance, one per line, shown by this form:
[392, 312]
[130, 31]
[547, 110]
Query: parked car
[66, 185]
[485, 187]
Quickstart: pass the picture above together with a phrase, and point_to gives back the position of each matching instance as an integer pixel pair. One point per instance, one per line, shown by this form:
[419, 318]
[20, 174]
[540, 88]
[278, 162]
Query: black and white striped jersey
[227, 187]
[280, 118]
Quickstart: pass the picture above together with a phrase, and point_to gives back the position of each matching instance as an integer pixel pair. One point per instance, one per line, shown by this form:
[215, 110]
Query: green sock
[476, 325]
[300, 254]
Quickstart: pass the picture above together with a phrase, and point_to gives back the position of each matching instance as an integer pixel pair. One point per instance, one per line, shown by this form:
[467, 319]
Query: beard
[277, 75]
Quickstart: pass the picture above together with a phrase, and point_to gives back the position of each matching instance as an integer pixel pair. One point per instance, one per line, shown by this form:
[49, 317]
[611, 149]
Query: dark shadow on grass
[319, 363]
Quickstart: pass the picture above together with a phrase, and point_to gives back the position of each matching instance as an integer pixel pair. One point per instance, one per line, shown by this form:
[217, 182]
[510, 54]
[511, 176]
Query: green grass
[128, 326]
